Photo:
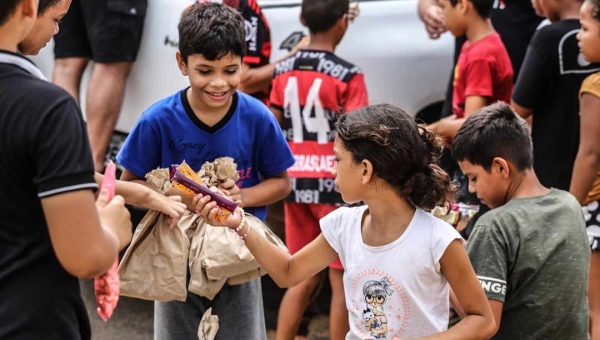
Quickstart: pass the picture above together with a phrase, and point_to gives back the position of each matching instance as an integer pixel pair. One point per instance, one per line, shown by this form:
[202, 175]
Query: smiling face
[45, 27]
[589, 35]
[213, 82]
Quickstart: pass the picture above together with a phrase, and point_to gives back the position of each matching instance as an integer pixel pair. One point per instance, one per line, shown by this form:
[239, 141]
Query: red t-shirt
[483, 69]
[311, 88]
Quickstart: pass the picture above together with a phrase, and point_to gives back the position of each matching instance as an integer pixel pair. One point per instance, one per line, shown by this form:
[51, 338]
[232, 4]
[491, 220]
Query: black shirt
[44, 152]
[258, 39]
[551, 76]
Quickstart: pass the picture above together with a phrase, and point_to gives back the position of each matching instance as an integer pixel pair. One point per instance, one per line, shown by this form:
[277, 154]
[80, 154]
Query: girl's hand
[168, 205]
[208, 209]
[231, 190]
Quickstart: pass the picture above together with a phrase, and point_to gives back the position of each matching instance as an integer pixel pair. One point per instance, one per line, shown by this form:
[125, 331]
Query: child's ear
[343, 22]
[464, 6]
[367, 171]
[501, 166]
[182, 64]
[302, 21]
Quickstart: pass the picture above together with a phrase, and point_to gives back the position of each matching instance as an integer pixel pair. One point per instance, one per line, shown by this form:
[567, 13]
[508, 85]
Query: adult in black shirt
[548, 91]
[51, 230]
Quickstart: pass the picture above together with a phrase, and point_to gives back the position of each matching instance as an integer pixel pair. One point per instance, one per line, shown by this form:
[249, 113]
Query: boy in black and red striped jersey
[309, 90]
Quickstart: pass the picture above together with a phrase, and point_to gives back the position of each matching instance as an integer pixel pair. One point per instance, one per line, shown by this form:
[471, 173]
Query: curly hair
[403, 154]
[595, 9]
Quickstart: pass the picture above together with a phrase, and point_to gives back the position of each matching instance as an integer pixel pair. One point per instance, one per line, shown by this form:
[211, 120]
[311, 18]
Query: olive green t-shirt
[532, 254]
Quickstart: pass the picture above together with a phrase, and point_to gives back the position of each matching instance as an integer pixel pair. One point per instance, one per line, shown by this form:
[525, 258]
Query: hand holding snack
[106, 286]
[209, 210]
[231, 190]
[168, 205]
[185, 179]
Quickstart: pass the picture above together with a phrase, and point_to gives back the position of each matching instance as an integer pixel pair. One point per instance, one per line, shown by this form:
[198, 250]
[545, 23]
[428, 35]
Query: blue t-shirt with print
[169, 132]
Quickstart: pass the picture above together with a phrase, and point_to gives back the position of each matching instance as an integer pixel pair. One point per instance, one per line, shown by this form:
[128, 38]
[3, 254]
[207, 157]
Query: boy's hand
[353, 11]
[170, 206]
[207, 209]
[304, 42]
[231, 190]
[115, 216]
[434, 21]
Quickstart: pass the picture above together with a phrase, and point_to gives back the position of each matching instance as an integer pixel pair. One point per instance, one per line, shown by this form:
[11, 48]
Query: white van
[402, 66]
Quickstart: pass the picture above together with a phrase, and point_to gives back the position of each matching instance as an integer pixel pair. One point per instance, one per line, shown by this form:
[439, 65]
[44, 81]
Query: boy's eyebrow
[210, 66]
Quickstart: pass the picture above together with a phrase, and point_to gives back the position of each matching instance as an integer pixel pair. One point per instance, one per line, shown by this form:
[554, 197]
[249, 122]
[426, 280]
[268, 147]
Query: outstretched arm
[285, 269]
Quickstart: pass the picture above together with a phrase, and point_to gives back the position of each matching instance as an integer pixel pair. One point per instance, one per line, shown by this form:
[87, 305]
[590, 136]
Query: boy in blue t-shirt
[211, 119]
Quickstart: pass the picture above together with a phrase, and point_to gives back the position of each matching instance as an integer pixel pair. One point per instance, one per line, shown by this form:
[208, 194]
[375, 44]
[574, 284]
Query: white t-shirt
[404, 275]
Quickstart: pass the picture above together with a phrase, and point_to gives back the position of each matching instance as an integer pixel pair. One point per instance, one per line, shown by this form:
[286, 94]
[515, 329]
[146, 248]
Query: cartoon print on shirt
[370, 290]
[376, 293]
[371, 321]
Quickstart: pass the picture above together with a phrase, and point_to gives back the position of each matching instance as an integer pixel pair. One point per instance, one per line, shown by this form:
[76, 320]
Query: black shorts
[591, 213]
[103, 30]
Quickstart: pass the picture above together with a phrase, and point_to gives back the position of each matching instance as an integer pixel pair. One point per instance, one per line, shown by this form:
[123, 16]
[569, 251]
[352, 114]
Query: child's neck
[479, 29]
[389, 216]
[570, 10]
[10, 39]
[207, 115]
[322, 42]
[525, 184]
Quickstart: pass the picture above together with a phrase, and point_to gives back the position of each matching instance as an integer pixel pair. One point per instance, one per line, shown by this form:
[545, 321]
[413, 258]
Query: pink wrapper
[107, 286]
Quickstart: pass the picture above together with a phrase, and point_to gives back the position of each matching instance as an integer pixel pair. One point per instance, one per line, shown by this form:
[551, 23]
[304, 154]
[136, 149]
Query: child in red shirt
[483, 73]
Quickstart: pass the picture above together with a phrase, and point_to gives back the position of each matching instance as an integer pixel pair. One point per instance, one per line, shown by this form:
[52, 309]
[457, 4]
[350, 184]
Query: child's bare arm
[448, 127]
[86, 237]
[522, 111]
[479, 320]
[286, 270]
[587, 162]
[278, 114]
[141, 195]
[273, 189]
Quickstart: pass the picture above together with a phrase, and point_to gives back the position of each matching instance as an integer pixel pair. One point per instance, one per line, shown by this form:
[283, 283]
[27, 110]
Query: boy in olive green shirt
[530, 252]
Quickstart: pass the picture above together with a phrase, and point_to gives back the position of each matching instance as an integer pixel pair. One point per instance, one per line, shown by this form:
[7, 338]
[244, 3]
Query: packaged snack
[106, 286]
[186, 180]
[466, 212]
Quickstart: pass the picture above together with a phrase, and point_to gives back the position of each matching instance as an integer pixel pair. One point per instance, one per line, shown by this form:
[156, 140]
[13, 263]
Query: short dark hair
[483, 7]
[403, 154]
[213, 30]
[321, 15]
[7, 8]
[494, 131]
[45, 5]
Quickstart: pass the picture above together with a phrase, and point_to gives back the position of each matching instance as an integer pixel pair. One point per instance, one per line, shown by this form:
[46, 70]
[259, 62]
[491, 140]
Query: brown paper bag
[209, 326]
[154, 266]
[199, 283]
[225, 255]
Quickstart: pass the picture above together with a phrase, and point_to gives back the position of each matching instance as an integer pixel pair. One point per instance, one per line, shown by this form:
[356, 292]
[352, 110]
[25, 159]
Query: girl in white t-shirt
[399, 260]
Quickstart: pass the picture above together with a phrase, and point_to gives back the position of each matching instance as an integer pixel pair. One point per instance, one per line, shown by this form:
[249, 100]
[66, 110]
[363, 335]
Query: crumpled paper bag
[219, 171]
[154, 266]
[209, 326]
